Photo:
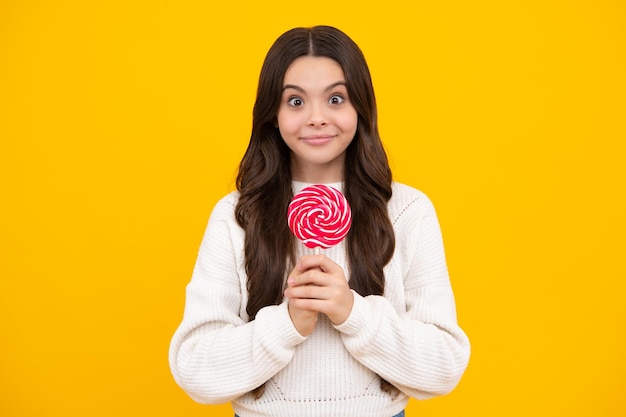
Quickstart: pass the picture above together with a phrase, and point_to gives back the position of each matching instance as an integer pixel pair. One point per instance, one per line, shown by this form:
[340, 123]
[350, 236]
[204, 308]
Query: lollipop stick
[317, 250]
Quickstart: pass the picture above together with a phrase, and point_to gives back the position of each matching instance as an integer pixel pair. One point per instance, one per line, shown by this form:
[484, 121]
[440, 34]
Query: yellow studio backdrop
[122, 123]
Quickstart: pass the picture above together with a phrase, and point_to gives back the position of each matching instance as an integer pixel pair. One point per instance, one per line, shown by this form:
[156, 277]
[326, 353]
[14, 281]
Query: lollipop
[319, 216]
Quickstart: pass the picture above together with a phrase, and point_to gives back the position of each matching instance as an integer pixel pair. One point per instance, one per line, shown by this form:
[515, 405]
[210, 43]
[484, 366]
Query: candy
[319, 216]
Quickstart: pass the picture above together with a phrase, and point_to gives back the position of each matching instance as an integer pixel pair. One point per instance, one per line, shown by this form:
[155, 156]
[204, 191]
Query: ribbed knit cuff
[277, 328]
[359, 317]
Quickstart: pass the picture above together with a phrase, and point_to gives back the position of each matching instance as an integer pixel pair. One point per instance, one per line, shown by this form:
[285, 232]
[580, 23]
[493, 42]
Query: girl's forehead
[314, 71]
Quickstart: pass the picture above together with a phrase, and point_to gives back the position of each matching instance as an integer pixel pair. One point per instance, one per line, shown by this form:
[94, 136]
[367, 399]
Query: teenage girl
[354, 331]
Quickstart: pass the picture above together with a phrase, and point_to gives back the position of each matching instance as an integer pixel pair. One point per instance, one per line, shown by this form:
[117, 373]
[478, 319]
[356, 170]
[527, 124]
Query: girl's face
[316, 119]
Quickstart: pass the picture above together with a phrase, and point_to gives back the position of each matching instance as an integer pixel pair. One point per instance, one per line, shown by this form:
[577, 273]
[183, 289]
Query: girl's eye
[295, 102]
[336, 99]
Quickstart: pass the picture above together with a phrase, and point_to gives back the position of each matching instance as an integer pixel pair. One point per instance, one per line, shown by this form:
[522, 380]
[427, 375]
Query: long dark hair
[264, 178]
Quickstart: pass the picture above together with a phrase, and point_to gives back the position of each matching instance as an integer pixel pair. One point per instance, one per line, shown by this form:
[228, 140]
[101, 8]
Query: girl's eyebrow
[300, 89]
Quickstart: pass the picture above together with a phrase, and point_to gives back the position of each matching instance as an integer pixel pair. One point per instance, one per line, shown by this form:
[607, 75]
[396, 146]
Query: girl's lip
[325, 136]
[317, 139]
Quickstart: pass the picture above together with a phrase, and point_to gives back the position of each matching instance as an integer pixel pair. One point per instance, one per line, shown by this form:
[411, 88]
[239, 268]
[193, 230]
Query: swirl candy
[319, 216]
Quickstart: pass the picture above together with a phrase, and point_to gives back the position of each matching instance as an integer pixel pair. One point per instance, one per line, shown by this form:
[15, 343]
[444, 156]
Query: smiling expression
[316, 119]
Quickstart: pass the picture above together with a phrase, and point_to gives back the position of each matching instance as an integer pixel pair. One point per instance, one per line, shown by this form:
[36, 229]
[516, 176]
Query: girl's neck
[320, 177]
[312, 174]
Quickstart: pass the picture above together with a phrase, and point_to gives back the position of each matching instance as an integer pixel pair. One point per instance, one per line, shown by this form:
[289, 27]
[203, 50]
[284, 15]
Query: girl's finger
[318, 261]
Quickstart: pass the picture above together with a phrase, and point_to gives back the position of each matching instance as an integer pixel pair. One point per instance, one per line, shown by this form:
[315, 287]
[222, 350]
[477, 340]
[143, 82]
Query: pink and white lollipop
[319, 216]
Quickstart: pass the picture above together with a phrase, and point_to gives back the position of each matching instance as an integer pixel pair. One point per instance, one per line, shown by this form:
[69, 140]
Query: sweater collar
[299, 185]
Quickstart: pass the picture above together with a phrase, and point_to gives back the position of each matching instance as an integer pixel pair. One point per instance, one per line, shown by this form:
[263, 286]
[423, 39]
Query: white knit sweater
[409, 337]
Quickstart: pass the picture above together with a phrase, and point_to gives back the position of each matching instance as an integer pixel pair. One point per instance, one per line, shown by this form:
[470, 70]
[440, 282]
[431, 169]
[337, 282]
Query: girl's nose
[317, 117]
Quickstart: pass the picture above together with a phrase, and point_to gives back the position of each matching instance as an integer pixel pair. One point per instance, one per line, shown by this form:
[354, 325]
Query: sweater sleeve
[422, 350]
[215, 355]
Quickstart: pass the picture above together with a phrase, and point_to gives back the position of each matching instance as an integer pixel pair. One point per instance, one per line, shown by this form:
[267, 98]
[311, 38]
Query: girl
[355, 331]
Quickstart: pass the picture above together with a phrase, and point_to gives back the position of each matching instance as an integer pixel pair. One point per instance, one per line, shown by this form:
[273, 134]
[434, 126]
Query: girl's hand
[303, 320]
[317, 284]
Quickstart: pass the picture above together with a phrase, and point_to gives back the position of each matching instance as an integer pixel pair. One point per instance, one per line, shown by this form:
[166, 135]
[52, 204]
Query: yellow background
[122, 123]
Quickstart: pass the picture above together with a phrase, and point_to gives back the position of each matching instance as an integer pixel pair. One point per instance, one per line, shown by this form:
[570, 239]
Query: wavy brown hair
[265, 184]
